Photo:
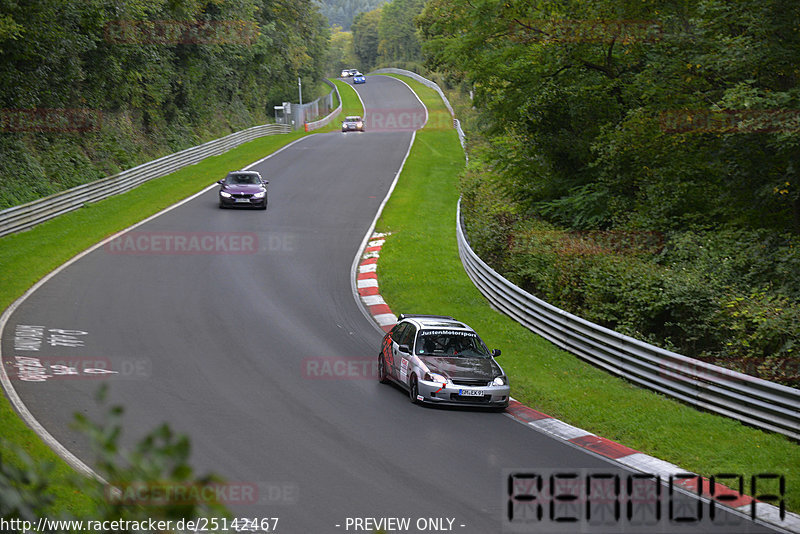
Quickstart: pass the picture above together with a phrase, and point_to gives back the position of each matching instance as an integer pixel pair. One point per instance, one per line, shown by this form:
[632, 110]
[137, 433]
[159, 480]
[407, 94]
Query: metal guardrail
[752, 400]
[26, 216]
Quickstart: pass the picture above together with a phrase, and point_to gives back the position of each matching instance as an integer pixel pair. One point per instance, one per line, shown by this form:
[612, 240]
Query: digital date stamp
[609, 500]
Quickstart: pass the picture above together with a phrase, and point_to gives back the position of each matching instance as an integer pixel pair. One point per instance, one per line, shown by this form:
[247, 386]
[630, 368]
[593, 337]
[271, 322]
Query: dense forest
[388, 37]
[637, 163]
[93, 87]
[341, 12]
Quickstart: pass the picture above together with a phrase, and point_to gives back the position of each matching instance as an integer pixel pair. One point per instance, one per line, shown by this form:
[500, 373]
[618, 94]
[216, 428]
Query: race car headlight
[435, 377]
[224, 194]
[359, 125]
[499, 381]
[259, 195]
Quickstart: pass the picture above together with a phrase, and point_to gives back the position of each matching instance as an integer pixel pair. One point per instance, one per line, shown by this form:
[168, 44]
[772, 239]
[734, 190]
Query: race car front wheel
[413, 390]
[381, 370]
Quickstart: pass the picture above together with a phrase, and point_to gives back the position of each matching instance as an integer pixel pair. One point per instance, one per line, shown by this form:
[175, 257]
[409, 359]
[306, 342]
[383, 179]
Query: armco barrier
[758, 402]
[28, 215]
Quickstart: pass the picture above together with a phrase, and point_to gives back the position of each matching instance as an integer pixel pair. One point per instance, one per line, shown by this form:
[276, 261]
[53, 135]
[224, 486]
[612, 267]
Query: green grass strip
[28, 256]
[420, 272]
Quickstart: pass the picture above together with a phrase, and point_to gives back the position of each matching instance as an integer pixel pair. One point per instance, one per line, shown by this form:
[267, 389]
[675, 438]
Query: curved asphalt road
[219, 346]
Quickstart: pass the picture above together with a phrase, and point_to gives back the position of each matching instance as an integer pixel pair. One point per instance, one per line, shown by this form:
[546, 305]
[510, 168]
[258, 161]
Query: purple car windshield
[242, 179]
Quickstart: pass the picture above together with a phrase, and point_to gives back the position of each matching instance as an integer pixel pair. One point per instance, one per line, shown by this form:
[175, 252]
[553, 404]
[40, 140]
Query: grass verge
[28, 256]
[420, 272]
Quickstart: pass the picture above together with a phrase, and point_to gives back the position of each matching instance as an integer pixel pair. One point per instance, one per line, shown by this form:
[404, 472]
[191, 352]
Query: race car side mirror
[404, 348]
[496, 353]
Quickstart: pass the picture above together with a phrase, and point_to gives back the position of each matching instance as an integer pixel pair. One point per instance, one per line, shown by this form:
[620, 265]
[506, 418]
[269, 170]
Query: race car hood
[459, 367]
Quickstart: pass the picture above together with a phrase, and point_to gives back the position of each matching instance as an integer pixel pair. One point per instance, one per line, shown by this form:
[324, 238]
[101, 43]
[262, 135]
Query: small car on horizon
[359, 78]
[439, 360]
[353, 123]
[243, 188]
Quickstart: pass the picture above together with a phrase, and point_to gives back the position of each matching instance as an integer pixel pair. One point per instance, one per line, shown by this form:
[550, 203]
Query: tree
[573, 98]
[342, 12]
[365, 38]
[341, 54]
[159, 72]
[397, 32]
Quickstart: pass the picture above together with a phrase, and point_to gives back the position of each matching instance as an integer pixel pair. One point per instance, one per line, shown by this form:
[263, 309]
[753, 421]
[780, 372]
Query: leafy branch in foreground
[153, 481]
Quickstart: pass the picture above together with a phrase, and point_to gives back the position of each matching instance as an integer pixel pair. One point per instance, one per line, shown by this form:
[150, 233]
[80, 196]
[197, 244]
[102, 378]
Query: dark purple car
[243, 188]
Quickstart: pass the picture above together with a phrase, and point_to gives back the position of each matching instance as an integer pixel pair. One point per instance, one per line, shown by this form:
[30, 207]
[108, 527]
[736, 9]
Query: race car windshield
[450, 344]
[243, 179]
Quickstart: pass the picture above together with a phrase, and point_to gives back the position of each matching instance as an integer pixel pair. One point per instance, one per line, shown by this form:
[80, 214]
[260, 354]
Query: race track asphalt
[233, 346]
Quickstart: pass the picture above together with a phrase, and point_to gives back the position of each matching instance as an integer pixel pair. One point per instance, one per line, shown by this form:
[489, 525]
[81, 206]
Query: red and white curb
[367, 283]
[368, 291]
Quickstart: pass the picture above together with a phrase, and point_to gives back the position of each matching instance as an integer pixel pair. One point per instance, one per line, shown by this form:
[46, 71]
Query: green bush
[739, 259]
[762, 336]
[488, 216]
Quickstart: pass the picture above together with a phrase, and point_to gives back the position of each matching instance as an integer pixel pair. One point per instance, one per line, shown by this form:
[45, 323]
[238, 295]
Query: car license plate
[470, 392]
[242, 200]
